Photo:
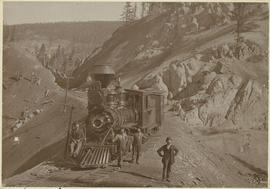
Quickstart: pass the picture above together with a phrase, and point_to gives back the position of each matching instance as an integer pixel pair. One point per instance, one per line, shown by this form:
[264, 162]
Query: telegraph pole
[67, 87]
[69, 130]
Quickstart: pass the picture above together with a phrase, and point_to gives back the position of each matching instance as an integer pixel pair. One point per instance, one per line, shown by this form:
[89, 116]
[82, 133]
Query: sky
[39, 12]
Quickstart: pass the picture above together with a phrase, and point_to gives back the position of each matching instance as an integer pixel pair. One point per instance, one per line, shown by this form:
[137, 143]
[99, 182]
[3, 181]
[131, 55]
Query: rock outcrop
[226, 98]
[249, 107]
[209, 94]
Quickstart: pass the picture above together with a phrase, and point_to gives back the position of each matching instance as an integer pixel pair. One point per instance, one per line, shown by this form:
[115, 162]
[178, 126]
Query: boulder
[175, 78]
[37, 111]
[155, 44]
[135, 87]
[170, 95]
[19, 124]
[16, 140]
[180, 73]
[161, 86]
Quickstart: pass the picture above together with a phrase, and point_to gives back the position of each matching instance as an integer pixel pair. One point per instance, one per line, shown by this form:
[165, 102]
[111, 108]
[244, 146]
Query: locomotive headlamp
[97, 123]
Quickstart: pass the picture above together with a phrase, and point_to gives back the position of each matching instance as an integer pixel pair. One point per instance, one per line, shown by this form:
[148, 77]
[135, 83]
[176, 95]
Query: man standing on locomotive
[137, 145]
[168, 153]
[121, 140]
[77, 137]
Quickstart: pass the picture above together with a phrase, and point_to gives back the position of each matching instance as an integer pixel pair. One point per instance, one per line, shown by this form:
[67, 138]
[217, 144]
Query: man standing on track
[121, 140]
[137, 145]
[168, 153]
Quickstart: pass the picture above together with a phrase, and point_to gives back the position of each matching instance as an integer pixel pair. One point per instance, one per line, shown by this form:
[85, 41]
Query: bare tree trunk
[143, 9]
[239, 21]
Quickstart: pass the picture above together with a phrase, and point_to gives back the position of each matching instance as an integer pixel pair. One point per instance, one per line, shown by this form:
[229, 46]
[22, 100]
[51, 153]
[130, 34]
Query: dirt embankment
[33, 117]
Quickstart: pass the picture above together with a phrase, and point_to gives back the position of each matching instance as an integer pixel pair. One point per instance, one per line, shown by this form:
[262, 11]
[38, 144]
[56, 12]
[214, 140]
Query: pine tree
[72, 52]
[41, 52]
[6, 32]
[240, 14]
[58, 51]
[64, 65]
[135, 11]
[12, 33]
[128, 15]
[151, 6]
[143, 9]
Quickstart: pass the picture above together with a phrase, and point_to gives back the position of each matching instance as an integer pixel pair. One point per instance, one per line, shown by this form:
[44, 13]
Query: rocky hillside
[190, 54]
[33, 119]
[149, 41]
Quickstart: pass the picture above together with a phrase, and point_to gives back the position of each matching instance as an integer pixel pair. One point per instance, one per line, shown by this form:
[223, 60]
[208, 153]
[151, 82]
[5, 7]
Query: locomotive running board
[95, 156]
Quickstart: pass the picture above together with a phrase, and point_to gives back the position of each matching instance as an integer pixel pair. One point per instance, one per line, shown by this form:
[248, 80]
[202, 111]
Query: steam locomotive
[111, 108]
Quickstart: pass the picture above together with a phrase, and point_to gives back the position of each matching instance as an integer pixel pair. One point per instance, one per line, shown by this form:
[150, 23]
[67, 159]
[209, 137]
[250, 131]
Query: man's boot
[168, 177]
[163, 177]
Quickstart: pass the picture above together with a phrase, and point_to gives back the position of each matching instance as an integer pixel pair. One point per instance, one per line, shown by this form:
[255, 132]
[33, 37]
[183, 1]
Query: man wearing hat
[121, 141]
[77, 137]
[168, 153]
[137, 145]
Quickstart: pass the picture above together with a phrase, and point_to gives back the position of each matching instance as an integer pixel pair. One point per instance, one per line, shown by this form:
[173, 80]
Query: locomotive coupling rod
[69, 130]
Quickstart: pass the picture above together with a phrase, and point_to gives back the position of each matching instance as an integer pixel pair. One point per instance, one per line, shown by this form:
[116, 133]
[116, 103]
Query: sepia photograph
[135, 94]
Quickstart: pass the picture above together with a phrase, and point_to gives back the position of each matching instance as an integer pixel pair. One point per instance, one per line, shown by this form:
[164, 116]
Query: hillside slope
[64, 42]
[33, 117]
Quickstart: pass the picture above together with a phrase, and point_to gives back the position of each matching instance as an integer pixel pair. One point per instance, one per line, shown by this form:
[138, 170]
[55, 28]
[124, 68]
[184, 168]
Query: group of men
[126, 143]
[167, 151]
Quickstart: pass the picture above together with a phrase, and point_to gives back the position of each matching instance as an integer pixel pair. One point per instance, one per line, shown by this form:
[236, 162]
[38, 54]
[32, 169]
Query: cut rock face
[209, 107]
[228, 99]
[211, 97]
[248, 107]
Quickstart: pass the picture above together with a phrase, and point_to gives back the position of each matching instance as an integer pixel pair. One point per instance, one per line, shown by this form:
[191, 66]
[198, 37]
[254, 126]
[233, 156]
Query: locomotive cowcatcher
[111, 108]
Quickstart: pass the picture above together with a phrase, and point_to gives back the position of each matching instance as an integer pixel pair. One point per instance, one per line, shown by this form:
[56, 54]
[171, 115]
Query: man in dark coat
[137, 145]
[168, 153]
[120, 140]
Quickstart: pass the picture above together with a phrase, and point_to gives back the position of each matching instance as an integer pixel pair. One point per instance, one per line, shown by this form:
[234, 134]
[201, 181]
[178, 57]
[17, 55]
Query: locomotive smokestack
[103, 73]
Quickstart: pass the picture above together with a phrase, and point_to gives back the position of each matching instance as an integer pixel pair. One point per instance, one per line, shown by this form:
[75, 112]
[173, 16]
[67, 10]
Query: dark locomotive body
[110, 107]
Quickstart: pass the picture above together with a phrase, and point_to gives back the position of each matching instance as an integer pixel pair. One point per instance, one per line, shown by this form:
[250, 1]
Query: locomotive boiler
[111, 108]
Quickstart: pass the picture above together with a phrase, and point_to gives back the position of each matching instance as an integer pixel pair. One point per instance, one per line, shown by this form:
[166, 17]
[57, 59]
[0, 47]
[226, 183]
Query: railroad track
[89, 178]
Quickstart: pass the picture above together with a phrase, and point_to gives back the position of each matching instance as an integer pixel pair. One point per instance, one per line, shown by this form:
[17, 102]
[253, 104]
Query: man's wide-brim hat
[75, 124]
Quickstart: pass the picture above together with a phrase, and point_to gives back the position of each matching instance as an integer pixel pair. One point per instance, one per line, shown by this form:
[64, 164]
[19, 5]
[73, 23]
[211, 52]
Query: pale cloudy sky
[36, 12]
